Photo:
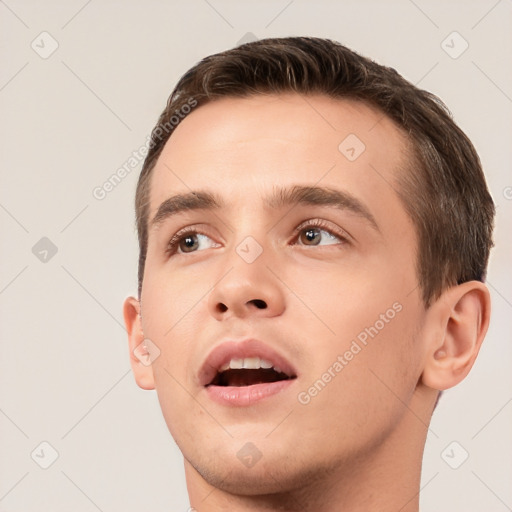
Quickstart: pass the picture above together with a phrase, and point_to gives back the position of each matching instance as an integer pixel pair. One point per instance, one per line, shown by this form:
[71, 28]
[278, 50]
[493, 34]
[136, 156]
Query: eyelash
[172, 246]
[173, 243]
[325, 226]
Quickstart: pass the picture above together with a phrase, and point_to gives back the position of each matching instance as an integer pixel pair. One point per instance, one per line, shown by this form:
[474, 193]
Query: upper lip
[228, 350]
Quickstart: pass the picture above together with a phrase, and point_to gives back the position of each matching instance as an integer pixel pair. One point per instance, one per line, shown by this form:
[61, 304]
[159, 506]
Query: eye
[316, 233]
[189, 241]
[316, 236]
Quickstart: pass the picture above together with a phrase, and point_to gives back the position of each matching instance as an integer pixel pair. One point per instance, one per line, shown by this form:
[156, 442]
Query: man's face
[307, 263]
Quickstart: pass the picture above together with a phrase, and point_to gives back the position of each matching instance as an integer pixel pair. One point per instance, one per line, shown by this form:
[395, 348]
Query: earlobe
[140, 359]
[460, 320]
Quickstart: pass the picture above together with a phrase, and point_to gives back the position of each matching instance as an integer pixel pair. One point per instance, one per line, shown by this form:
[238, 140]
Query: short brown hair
[443, 190]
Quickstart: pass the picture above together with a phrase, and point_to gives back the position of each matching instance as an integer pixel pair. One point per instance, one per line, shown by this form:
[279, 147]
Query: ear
[459, 319]
[140, 358]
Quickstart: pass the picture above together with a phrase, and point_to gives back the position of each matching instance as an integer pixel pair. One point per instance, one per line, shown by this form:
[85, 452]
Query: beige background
[70, 120]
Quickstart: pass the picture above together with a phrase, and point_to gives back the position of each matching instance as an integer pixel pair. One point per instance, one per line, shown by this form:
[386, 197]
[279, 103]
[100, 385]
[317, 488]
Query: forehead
[241, 147]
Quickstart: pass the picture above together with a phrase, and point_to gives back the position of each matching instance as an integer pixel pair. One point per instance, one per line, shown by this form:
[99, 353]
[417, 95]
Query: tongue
[248, 377]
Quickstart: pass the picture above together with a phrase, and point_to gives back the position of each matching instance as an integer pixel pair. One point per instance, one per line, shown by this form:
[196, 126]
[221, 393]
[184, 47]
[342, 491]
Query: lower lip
[243, 396]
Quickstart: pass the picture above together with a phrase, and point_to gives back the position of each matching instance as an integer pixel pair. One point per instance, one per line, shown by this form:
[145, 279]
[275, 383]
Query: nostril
[260, 304]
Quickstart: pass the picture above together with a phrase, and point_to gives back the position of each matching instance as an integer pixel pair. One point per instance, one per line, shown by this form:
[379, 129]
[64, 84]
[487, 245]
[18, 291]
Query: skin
[358, 444]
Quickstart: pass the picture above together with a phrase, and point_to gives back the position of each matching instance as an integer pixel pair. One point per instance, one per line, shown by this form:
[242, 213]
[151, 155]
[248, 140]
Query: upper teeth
[248, 363]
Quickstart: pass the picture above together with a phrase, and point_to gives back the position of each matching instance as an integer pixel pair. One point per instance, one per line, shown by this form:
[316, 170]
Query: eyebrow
[280, 198]
[183, 202]
[320, 196]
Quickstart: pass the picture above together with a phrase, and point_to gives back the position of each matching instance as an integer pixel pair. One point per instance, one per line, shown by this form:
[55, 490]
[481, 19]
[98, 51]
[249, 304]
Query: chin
[282, 474]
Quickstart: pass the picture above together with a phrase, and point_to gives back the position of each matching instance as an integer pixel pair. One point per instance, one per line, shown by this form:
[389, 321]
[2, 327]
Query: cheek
[372, 380]
[169, 298]
[173, 309]
[340, 299]
[362, 328]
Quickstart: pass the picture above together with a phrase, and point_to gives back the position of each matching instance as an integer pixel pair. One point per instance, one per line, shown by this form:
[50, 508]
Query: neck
[387, 478]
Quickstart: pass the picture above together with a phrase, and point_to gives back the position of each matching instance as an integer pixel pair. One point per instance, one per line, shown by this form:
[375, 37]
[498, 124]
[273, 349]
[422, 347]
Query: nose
[247, 290]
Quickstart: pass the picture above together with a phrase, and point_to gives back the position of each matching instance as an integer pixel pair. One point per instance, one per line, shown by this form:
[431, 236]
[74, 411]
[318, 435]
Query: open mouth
[248, 372]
